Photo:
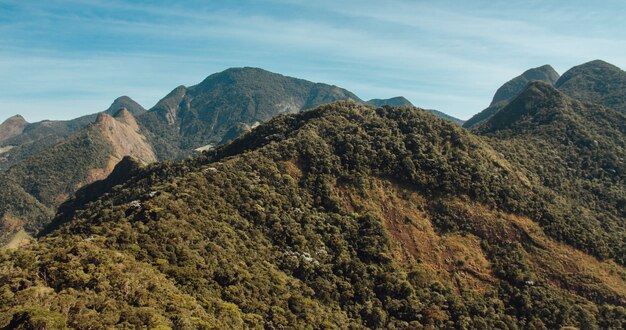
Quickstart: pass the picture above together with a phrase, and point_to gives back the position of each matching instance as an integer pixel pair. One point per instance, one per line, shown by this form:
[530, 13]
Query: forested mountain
[344, 216]
[511, 89]
[43, 129]
[40, 136]
[34, 187]
[576, 151]
[192, 117]
[596, 82]
[398, 101]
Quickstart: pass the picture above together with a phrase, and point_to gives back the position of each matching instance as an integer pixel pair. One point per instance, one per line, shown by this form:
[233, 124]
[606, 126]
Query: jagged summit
[195, 116]
[16, 118]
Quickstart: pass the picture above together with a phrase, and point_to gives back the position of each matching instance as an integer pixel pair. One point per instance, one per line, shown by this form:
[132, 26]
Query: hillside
[576, 151]
[511, 89]
[42, 182]
[340, 217]
[596, 82]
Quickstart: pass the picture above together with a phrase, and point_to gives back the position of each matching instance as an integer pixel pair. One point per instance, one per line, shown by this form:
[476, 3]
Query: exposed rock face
[122, 131]
[11, 127]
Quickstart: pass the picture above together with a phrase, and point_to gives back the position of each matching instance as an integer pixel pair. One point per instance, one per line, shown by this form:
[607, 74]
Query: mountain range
[35, 157]
[350, 215]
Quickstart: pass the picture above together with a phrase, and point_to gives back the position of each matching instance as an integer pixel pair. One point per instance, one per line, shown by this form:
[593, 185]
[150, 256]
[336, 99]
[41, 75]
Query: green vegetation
[189, 118]
[511, 90]
[573, 153]
[596, 82]
[340, 217]
[33, 188]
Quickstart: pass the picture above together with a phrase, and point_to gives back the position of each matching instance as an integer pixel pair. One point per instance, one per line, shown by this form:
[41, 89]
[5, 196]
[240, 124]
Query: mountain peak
[596, 82]
[103, 117]
[512, 88]
[125, 102]
[538, 103]
[394, 102]
[125, 116]
[12, 126]
[16, 119]
[591, 69]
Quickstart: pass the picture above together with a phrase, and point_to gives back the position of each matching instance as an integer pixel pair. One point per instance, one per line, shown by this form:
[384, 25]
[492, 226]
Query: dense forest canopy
[345, 216]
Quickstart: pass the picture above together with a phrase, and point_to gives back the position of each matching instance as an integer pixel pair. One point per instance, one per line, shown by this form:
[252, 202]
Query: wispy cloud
[448, 56]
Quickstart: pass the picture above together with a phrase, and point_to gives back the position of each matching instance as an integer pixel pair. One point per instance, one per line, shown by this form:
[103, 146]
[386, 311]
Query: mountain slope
[340, 217]
[596, 82]
[48, 178]
[575, 150]
[511, 89]
[57, 130]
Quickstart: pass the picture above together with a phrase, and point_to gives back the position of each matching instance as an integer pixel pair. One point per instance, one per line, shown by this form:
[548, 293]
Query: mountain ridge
[325, 218]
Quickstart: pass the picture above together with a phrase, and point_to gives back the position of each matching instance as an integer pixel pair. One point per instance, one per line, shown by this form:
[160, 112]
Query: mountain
[11, 127]
[40, 136]
[192, 117]
[596, 82]
[40, 183]
[397, 101]
[400, 101]
[511, 89]
[344, 216]
[61, 128]
[572, 150]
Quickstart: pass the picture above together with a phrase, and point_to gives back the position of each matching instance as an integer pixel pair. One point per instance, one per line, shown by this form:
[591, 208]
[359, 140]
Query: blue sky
[61, 59]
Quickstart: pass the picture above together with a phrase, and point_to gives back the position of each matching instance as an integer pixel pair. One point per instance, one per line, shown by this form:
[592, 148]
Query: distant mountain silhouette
[511, 89]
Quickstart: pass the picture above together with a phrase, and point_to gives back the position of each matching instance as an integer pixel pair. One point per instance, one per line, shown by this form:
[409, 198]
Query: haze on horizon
[62, 59]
